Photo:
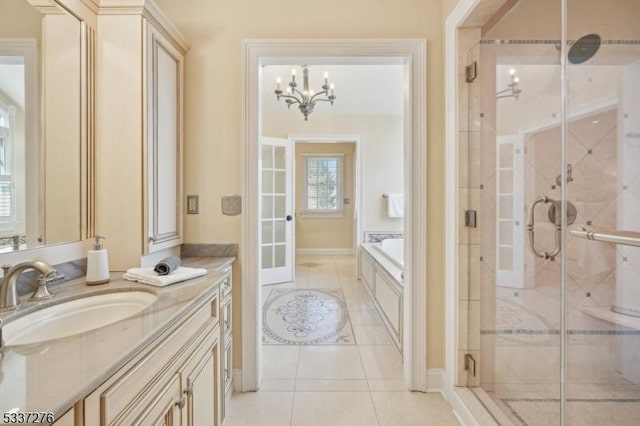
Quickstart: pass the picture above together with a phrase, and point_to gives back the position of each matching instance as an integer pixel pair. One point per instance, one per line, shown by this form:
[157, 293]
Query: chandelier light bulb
[516, 79]
[512, 71]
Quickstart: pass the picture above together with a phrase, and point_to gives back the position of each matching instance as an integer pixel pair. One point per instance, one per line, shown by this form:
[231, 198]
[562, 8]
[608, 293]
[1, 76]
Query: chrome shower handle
[531, 230]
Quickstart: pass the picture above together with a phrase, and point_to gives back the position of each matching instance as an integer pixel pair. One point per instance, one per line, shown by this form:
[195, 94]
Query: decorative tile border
[517, 415]
[306, 317]
[557, 332]
[376, 237]
[547, 41]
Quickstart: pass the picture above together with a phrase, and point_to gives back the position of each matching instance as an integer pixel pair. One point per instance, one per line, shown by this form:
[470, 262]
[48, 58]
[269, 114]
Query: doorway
[411, 53]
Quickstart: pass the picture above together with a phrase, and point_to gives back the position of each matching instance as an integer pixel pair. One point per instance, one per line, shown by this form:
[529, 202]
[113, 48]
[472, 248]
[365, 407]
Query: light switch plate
[231, 204]
[193, 204]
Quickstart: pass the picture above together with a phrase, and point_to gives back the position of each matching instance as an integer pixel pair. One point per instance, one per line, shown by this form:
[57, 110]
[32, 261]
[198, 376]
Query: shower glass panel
[603, 146]
[518, 157]
[550, 319]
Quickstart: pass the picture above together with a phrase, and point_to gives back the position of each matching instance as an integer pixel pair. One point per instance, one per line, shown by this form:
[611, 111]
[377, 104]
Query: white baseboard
[324, 252]
[435, 380]
[237, 380]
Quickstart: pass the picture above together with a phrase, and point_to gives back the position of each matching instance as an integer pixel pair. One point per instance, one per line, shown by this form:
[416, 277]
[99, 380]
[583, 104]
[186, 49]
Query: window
[7, 194]
[322, 184]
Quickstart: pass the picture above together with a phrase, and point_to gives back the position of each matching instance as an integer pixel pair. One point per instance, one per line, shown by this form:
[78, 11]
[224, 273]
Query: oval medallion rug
[306, 317]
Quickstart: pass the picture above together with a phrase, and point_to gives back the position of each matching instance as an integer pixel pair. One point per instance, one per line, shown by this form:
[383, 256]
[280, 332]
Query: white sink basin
[75, 316]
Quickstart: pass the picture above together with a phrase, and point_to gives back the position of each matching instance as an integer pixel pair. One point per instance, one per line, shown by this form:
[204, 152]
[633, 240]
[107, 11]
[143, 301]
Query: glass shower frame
[474, 187]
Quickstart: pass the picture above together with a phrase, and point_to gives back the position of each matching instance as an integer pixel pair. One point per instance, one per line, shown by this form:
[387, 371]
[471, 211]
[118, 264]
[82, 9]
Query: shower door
[603, 127]
[550, 147]
[516, 163]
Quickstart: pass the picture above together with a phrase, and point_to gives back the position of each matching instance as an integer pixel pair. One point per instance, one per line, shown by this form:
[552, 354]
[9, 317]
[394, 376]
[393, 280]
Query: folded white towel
[395, 205]
[148, 276]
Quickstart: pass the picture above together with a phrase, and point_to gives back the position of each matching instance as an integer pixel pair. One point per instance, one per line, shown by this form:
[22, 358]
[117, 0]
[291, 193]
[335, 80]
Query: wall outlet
[193, 204]
[231, 204]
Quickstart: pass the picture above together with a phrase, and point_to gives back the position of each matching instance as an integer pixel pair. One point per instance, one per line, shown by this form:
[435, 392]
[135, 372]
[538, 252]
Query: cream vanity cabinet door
[201, 380]
[164, 100]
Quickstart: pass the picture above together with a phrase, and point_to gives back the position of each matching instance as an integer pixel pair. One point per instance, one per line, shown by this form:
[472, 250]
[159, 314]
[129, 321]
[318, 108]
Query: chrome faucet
[9, 287]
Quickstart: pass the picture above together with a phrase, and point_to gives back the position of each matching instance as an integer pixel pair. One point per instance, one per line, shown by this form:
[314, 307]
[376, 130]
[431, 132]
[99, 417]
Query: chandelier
[307, 98]
[513, 89]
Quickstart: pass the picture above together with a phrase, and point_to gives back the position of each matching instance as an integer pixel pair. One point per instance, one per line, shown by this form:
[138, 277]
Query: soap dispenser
[97, 264]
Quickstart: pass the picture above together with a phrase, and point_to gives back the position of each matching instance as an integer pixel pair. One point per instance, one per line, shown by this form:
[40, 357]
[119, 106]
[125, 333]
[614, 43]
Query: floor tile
[279, 361]
[278, 385]
[381, 362]
[315, 385]
[365, 316]
[330, 362]
[348, 385]
[387, 385]
[371, 334]
[260, 409]
[412, 409]
[333, 408]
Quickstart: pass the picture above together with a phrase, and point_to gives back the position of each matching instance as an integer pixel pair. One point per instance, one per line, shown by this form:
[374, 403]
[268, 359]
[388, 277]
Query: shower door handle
[531, 230]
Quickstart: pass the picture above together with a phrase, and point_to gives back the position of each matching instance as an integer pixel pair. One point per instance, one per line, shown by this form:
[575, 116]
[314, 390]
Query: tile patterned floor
[337, 385]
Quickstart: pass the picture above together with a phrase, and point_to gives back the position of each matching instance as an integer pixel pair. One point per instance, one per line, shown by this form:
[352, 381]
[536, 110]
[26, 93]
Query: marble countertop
[52, 376]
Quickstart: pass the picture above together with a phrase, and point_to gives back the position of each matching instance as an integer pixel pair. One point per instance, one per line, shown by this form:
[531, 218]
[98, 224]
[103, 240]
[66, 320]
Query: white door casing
[276, 202]
[412, 53]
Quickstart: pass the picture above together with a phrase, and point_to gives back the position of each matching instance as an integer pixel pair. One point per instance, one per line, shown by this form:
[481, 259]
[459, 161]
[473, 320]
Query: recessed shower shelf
[606, 314]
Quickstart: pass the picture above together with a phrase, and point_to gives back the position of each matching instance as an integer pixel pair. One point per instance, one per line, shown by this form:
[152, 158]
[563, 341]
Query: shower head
[584, 48]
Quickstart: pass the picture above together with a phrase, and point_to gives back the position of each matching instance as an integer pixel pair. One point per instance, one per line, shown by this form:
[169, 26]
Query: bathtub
[392, 249]
[380, 267]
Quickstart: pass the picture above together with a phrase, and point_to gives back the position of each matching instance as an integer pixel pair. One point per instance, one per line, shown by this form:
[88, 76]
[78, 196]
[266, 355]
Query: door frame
[413, 53]
[357, 173]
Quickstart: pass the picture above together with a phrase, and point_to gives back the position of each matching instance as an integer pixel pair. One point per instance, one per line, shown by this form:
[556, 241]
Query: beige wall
[19, 20]
[213, 106]
[322, 231]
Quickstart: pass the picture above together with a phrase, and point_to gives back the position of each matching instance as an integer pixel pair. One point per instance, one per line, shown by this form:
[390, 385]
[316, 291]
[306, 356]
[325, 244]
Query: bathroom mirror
[43, 125]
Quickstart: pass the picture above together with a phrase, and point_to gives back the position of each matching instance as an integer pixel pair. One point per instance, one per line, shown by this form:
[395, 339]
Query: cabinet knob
[180, 404]
[152, 239]
[189, 390]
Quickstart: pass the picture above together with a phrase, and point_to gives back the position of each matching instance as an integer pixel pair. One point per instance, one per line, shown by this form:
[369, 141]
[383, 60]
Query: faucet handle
[5, 269]
[42, 292]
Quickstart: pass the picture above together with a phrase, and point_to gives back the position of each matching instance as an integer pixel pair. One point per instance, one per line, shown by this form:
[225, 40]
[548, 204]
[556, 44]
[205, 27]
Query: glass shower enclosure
[549, 159]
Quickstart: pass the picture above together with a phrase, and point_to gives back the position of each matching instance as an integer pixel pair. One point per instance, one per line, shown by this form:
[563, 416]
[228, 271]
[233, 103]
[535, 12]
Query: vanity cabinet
[140, 60]
[176, 381]
[226, 341]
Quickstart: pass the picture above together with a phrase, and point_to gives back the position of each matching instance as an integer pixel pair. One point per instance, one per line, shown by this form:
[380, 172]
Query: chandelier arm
[323, 100]
[324, 92]
[295, 98]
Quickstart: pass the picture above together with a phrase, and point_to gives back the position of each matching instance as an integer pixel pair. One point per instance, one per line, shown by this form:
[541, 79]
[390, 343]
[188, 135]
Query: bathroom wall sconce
[512, 90]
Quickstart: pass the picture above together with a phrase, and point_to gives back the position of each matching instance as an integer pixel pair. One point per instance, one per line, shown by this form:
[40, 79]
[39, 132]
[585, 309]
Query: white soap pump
[97, 264]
